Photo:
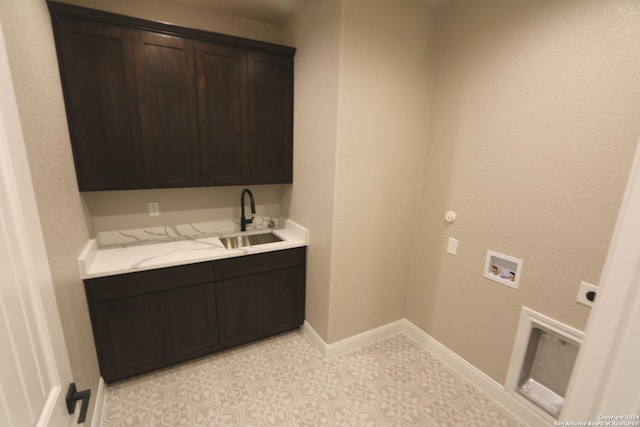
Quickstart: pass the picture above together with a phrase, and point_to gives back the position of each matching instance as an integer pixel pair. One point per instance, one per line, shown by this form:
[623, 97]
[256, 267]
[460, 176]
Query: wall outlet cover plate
[585, 289]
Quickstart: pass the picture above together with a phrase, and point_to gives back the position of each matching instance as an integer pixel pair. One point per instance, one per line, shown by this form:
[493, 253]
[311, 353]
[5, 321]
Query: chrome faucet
[244, 221]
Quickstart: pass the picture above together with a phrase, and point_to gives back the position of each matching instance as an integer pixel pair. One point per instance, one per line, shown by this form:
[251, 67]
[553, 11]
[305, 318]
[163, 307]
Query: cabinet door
[270, 118]
[283, 299]
[190, 322]
[128, 335]
[222, 105]
[168, 113]
[239, 310]
[96, 63]
[259, 305]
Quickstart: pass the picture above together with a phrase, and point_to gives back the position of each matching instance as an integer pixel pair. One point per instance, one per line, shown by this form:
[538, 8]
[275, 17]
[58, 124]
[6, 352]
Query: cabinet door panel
[167, 103]
[271, 118]
[128, 336]
[284, 293]
[222, 94]
[99, 84]
[190, 322]
[239, 310]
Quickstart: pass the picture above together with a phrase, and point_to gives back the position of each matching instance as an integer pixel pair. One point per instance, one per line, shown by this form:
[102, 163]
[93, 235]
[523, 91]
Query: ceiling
[270, 11]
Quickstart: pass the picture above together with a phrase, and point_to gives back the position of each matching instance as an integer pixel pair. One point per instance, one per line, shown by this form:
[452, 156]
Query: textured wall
[32, 56]
[315, 31]
[533, 127]
[385, 80]
[362, 97]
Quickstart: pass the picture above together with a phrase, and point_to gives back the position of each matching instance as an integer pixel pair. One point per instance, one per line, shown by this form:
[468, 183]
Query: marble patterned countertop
[126, 251]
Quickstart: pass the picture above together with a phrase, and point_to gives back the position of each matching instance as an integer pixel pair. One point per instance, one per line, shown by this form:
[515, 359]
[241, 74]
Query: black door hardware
[73, 396]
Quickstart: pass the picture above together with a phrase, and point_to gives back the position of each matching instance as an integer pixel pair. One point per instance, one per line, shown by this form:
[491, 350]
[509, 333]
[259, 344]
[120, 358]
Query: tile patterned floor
[283, 381]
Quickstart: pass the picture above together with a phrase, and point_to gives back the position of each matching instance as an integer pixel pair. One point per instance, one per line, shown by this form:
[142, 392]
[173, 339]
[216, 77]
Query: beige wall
[316, 33]
[362, 96]
[27, 31]
[385, 78]
[533, 128]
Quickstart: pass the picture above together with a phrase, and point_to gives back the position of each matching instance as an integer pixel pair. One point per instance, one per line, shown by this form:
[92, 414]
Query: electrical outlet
[154, 208]
[587, 294]
[452, 247]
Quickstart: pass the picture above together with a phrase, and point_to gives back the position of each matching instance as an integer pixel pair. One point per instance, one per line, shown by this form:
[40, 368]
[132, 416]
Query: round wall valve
[450, 217]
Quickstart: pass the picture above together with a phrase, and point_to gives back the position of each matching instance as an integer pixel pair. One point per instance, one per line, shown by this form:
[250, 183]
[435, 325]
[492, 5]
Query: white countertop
[95, 261]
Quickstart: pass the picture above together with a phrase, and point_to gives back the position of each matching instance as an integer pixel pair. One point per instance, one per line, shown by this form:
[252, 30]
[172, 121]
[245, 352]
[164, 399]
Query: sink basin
[249, 240]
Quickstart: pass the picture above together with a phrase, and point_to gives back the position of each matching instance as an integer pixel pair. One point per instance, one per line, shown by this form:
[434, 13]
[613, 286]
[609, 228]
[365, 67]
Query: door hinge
[73, 396]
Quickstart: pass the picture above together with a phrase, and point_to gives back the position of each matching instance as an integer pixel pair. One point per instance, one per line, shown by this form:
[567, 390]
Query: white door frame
[36, 366]
[606, 378]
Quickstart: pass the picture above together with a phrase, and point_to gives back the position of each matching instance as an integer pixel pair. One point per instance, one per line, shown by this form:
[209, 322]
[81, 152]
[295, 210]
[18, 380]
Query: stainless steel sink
[249, 240]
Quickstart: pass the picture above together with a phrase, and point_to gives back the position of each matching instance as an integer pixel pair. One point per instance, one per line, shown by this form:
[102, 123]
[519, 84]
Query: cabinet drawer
[144, 282]
[253, 264]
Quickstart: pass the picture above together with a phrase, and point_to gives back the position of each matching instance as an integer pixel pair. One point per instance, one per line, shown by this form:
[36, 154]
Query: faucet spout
[244, 221]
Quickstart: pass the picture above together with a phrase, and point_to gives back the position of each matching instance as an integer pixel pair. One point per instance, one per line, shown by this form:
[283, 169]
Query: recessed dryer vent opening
[542, 361]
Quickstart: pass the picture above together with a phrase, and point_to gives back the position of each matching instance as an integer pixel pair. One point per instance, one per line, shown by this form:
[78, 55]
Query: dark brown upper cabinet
[270, 118]
[167, 105]
[96, 60]
[222, 97]
[152, 105]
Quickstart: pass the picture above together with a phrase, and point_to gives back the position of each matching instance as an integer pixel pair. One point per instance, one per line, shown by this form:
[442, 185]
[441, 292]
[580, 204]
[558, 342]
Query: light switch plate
[452, 247]
[585, 288]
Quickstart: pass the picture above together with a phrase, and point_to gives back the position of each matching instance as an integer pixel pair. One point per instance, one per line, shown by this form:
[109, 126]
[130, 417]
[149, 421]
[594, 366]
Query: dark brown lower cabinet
[260, 295]
[189, 317]
[128, 336]
[148, 320]
[260, 305]
[240, 310]
[283, 296]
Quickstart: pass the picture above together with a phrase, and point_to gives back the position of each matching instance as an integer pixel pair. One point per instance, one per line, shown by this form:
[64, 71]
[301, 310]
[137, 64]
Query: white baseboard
[96, 420]
[496, 391]
[353, 343]
[315, 339]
